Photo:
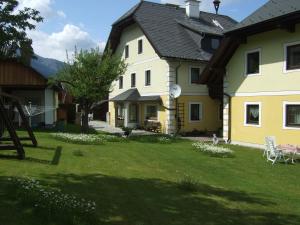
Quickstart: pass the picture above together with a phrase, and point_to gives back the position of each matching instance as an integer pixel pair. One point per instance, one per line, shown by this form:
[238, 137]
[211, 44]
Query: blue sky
[87, 23]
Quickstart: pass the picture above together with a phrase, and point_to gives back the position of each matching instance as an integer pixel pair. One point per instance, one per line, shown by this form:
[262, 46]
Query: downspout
[176, 100]
[229, 117]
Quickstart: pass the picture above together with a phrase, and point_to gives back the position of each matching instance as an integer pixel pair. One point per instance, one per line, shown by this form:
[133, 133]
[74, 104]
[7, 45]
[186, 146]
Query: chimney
[192, 8]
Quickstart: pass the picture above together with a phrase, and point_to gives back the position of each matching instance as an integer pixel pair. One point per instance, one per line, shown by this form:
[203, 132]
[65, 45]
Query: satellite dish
[175, 91]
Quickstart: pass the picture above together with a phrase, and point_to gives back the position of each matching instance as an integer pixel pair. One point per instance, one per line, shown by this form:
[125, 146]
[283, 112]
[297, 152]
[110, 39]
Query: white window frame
[190, 74]
[200, 112]
[145, 111]
[146, 86]
[286, 45]
[245, 114]
[285, 103]
[246, 63]
[143, 42]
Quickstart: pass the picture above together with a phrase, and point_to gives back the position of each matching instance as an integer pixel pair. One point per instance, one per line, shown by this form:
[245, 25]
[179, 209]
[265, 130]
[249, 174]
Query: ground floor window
[195, 110]
[292, 115]
[133, 111]
[252, 113]
[151, 112]
[120, 111]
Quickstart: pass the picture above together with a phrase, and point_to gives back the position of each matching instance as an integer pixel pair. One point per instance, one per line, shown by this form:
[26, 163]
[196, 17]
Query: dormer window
[126, 51]
[215, 43]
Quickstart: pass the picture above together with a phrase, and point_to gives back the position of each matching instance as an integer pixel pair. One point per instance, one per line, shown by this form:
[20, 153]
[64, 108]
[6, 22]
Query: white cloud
[61, 14]
[56, 44]
[43, 6]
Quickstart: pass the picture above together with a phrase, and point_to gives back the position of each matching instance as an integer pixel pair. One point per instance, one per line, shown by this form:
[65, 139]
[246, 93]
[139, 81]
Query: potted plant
[127, 131]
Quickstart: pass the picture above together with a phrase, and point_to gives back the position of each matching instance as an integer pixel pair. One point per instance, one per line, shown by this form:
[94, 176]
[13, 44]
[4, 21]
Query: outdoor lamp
[217, 5]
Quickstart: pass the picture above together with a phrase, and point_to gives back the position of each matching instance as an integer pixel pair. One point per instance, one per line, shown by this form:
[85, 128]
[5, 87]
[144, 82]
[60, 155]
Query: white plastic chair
[272, 152]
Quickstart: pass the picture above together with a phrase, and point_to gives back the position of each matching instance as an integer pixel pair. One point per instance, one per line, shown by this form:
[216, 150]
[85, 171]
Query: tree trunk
[85, 119]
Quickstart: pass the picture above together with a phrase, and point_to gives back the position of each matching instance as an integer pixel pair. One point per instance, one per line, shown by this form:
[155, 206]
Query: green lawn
[136, 183]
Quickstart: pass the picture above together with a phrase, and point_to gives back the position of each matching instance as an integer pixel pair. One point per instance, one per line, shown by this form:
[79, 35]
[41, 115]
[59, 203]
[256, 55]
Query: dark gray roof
[271, 10]
[172, 33]
[133, 95]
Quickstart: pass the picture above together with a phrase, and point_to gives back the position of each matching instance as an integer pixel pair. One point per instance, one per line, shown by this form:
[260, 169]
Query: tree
[89, 77]
[14, 42]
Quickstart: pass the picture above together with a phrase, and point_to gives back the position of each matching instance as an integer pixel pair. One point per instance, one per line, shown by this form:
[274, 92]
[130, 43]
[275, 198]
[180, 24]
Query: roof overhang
[133, 95]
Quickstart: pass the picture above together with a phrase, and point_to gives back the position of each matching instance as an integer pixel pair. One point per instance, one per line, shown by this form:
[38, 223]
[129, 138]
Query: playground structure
[9, 104]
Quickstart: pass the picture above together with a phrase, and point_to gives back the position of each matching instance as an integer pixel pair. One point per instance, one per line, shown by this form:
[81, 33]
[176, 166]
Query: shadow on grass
[55, 160]
[133, 201]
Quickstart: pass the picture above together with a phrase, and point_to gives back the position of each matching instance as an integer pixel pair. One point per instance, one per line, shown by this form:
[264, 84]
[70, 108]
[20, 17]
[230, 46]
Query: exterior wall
[272, 78]
[14, 74]
[272, 122]
[50, 106]
[210, 114]
[271, 88]
[139, 63]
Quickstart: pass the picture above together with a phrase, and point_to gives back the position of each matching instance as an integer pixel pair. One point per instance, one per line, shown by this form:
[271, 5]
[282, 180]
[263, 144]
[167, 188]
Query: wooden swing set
[9, 104]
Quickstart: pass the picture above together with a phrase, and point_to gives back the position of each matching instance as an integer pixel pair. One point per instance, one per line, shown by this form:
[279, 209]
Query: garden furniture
[291, 150]
[273, 152]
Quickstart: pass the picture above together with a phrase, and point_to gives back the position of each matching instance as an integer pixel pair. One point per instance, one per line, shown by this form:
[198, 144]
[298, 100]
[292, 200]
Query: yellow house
[164, 45]
[259, 65]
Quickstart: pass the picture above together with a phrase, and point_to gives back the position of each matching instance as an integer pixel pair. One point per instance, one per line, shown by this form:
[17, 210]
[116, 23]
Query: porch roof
[133, 95]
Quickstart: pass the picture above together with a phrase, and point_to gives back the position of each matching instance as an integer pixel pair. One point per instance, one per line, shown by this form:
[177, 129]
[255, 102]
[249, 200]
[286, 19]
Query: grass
[139, 182]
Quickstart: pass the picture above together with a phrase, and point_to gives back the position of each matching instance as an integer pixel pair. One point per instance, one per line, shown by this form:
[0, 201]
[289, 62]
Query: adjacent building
[256, 71]
[31, 86]
[163, 45]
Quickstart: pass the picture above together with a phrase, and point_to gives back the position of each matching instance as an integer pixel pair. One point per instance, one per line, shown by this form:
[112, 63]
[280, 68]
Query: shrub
[212, 149]
[79, 138]
[112, 138]
[188, 184]
[164, 140]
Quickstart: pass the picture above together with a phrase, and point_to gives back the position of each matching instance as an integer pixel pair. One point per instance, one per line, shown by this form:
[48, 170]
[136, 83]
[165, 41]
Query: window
[215, 43]
[293, 57]
[148, 78]
[140, 46]
[253, 62]
[133, 81]
[291, 115]
[252, 114]
[151, 112]
[127, 51]
[121, 82]
[194, 75]
[195, 112]
[133, 113]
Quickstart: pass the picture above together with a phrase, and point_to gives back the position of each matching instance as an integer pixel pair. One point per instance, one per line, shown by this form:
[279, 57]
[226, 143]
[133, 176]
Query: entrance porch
[135, 111]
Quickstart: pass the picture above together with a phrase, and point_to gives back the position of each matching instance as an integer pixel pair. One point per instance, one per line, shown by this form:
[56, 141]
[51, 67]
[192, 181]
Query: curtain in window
[293, 113]
[254, 112]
